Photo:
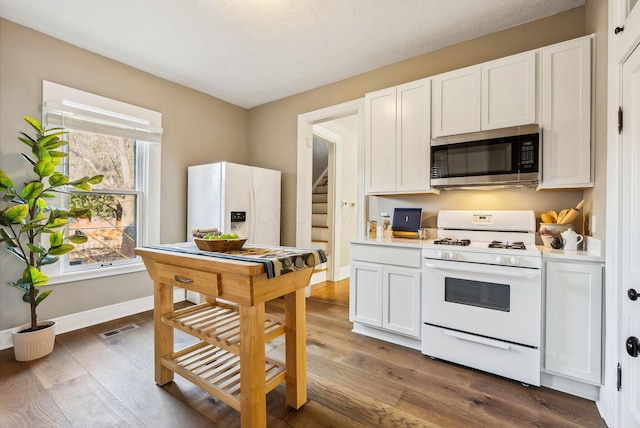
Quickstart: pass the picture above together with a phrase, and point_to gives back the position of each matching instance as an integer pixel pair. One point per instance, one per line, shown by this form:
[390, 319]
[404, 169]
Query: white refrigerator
[235, 198]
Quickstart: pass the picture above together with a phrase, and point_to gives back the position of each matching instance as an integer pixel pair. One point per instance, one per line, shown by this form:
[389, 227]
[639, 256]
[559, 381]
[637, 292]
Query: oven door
[498, 302]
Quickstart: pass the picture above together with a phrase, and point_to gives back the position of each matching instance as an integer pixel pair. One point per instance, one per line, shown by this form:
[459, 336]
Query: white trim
[304, 166]
[95, 316]
[334, 194]
[620, 47]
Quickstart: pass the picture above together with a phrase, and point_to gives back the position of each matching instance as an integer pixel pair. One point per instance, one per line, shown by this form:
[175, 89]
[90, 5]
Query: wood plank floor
[353, 381]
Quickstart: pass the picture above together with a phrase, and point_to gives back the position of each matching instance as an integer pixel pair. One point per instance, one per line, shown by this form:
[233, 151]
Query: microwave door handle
[478, 270]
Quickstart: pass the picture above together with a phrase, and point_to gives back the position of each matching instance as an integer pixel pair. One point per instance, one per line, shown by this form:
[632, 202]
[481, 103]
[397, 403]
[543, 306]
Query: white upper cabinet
[456, 102]
[509, 92]
[397, 139]
[492, 95]
[566, 115]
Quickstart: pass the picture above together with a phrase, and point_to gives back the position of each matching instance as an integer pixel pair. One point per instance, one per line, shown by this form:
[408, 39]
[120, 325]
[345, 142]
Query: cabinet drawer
[504, 359]
[387, 254]
[192, 279]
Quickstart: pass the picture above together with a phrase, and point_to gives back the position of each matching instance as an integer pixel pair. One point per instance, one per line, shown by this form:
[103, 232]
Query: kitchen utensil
[571, 239]
[557, 242]
[547, 230]
[548, 217]
[561, 215]
[571, 214]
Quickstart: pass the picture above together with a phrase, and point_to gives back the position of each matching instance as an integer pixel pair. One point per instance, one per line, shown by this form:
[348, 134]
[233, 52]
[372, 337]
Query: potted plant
[27, 220]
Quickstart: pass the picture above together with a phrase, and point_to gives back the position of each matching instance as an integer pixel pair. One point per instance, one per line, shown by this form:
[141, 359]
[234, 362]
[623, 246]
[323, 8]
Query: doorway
[341, 127]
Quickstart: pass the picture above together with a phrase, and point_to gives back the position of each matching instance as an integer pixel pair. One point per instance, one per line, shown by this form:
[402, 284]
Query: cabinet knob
[632, 294]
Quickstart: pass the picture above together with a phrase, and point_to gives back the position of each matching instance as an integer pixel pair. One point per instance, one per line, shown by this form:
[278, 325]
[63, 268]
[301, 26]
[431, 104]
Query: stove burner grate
[510, 246]
[449, 241]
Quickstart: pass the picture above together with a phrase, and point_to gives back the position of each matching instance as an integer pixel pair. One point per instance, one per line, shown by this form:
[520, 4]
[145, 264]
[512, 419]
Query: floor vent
[117, 331]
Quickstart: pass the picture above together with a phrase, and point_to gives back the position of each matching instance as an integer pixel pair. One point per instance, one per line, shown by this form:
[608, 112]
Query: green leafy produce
[225, 236]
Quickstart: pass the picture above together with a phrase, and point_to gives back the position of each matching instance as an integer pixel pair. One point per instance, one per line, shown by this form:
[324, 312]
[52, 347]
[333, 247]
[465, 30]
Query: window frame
[148, 164]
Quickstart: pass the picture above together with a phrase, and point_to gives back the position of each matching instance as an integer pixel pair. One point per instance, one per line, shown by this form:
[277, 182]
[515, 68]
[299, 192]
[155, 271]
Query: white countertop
[396, 242]
[547, 252]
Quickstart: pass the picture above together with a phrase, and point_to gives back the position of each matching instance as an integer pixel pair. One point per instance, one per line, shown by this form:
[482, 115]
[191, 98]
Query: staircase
[320, 232]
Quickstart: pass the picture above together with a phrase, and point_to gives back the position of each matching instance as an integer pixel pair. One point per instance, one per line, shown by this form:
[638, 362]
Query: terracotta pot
[33, 344]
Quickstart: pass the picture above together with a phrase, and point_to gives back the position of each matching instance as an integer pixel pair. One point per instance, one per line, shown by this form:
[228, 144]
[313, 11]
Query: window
[121, 142]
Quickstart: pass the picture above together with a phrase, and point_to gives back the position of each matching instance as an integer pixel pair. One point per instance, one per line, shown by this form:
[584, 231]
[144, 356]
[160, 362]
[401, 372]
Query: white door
[630, 249]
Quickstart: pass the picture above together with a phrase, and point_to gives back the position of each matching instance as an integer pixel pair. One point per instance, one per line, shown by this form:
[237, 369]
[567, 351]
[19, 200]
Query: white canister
[571, 239]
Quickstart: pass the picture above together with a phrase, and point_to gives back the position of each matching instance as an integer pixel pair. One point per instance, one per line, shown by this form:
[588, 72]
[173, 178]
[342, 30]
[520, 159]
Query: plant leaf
[96, 179]
[50, 139]
[78, 238]
[8, 240]
[43, 168]
[56, 239]
[82, 186]
[34, 276]
[23, 287]
[57, 154]
[31, 161]
[55, 144]
[58, 179]
[61, 249]
[42, 296]
[40, 152]
[35, 249]
[16, 252]
[5, 181]
[32, 190]
[16, 213]
[47, 260]
[35, 124]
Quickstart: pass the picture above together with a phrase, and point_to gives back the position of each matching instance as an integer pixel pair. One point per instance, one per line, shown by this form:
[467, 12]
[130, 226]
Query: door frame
[304, 169]
[620, 47]
[334, 195]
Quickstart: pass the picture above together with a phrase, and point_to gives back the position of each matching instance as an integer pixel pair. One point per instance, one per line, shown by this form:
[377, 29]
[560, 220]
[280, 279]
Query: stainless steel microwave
[506, 157]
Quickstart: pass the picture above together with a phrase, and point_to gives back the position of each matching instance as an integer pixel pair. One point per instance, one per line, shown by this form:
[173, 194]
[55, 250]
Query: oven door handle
[476, 339]
[477, 270]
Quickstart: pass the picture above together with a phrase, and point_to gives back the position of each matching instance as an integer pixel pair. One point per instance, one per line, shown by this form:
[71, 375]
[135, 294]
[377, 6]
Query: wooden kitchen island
[229, 362]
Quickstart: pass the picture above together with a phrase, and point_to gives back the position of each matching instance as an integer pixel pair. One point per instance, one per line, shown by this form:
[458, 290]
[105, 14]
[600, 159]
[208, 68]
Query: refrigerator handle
[252, 211]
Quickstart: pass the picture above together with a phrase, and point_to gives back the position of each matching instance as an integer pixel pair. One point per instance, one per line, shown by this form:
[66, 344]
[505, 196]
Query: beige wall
[197, 129]
[273, 126]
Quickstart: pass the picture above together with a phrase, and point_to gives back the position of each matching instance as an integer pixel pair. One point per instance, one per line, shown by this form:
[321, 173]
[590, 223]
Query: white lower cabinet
[385, 290]
[573, 320]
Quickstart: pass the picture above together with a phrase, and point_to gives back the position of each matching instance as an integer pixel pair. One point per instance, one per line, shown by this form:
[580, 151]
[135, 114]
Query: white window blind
[68, 107]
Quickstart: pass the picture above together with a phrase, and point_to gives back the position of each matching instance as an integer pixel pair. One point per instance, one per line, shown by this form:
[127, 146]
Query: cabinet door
[365, 293]
[414, 137]
[566, 115]
[380, 141]
[401, 300]
[573, 321]
[509, 91]
[456, 102]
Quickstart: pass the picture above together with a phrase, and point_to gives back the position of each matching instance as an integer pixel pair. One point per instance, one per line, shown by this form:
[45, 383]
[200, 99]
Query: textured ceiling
[250, 52]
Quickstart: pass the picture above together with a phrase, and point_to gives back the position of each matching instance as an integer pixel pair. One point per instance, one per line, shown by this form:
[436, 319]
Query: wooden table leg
[163, 334]
[253, 400]
[296, 348]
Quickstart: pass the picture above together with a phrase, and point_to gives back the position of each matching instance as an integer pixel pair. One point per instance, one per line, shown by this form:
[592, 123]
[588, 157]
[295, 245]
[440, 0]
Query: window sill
[97, 273]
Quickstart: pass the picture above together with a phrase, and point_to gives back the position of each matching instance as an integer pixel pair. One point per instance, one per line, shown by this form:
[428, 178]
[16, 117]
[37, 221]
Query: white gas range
[482, 293]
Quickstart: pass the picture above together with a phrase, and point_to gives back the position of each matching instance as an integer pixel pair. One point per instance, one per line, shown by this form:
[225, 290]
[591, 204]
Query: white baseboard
[91, 317]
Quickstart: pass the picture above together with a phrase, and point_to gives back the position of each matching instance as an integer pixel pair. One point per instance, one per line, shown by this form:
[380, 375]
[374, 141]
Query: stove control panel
[482, 219]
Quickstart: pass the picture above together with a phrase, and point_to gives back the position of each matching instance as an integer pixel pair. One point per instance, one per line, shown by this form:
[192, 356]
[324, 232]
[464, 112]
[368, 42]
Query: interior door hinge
[620, 120]
[619, 377]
